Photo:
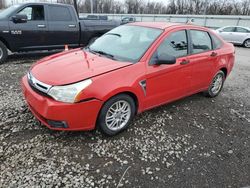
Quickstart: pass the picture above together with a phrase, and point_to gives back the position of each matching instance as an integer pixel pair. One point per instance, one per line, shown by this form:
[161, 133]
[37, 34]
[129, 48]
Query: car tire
[246, 43]
[3, 53]
[216, 85]
[116, 114]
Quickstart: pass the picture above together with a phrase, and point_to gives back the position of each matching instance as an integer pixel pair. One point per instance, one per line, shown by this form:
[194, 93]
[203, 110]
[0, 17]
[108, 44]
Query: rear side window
[242, 30]
[58, 13]
[201, 41]
[216, 42]
[175, 45]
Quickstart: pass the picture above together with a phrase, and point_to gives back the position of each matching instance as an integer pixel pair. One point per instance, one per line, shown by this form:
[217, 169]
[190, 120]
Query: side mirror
[165, 59]
[20, 18]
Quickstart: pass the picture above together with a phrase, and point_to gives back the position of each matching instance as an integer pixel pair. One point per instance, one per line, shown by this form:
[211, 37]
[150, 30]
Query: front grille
[38, 86]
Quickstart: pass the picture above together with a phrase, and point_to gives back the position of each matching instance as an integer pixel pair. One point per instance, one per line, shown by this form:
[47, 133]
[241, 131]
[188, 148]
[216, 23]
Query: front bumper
[79, 116]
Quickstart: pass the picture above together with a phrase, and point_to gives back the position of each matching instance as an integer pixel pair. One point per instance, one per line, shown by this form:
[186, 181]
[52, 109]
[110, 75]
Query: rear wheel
[247, 43]
[3, 52]
[116, 114]
[216, 85]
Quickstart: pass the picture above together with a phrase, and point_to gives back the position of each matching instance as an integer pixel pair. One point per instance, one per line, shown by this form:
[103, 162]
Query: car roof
[162, 25]
[236, 26]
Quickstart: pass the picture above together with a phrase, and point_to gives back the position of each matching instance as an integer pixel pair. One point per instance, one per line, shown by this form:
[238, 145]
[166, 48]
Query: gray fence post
[238, 21]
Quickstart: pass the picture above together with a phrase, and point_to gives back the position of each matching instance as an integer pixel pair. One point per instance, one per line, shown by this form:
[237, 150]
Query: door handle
[213, 54]
[41, 26]
[72, 26]
[184, 62]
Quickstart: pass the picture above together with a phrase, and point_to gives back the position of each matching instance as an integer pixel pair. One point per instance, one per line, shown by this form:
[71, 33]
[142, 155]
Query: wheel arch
[248, 38]
[5, 43]
[224, 70]
[128, 92]
[132, 94]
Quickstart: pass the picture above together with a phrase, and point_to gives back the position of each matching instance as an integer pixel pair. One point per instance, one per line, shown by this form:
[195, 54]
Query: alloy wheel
[118, 115]
[1, 53]
[217, 84]
[247, 43]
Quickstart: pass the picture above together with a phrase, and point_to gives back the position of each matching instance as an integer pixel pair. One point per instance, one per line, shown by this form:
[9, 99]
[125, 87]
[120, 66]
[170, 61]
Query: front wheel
[247, 43]
[3, 52]
[216, 85]
[116, 114]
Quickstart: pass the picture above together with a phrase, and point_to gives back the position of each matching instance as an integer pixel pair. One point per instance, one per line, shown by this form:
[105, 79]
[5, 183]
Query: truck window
[33, 12]
[59, 13]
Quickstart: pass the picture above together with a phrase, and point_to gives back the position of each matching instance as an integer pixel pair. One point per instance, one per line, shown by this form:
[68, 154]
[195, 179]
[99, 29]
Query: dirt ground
[194, 142]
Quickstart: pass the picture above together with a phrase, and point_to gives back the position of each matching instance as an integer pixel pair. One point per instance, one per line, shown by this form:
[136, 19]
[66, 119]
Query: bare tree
[212, 7]
[2, 4]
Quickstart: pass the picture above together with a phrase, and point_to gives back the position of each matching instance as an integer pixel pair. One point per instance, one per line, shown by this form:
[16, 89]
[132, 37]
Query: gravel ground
[194, 142]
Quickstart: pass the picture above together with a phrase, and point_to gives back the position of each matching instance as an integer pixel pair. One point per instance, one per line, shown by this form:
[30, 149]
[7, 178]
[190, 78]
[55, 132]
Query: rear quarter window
[217, 43]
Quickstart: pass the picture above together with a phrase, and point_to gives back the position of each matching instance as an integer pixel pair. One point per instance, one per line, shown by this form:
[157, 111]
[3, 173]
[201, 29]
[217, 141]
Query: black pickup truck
[45, 26]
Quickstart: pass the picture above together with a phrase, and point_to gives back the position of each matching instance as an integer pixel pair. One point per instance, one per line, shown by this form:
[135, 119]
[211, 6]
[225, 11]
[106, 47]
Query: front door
[227, 33]
[31, 34]
[166, 83]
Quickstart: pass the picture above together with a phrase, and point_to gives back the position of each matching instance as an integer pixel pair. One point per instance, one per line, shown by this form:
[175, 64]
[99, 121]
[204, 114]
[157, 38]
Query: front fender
[126, 79]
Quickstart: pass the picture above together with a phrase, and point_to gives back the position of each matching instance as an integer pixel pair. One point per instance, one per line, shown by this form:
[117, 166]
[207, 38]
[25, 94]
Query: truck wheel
[116, 114]
[216, 85]
[3, 52]
[247, 43]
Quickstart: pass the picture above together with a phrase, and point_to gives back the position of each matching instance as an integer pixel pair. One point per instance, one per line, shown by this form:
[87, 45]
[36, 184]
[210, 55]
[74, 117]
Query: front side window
[126, 43]
[201, 41]
[174, 45]
[33, 12]
[229, 29]
[58, 13]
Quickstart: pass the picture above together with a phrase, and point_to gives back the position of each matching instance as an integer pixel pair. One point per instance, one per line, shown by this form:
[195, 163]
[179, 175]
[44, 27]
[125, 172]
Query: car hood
[73, 66]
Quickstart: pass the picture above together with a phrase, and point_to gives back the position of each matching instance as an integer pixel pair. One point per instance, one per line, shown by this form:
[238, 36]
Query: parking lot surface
[194, 142]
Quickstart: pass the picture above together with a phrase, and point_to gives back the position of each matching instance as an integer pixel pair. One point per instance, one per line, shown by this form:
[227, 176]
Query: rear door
[202, 59]
[33, 33]
[240, 35]
[63, 26]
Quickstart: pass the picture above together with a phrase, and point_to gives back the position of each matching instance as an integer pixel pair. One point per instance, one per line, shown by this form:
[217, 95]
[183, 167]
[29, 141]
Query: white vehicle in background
[235, 34]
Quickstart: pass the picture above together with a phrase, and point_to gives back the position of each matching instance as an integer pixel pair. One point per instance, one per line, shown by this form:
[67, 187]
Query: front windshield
[126, 43]
[8, 11]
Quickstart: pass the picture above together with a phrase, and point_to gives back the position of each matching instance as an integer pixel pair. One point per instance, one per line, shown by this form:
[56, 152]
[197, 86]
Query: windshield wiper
[116, 34]
[103, 53]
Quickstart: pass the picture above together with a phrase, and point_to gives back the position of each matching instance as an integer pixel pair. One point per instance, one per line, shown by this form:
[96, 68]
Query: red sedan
[128, 70]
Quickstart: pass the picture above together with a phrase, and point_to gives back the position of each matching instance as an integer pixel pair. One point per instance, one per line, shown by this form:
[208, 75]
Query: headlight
[68, 93]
